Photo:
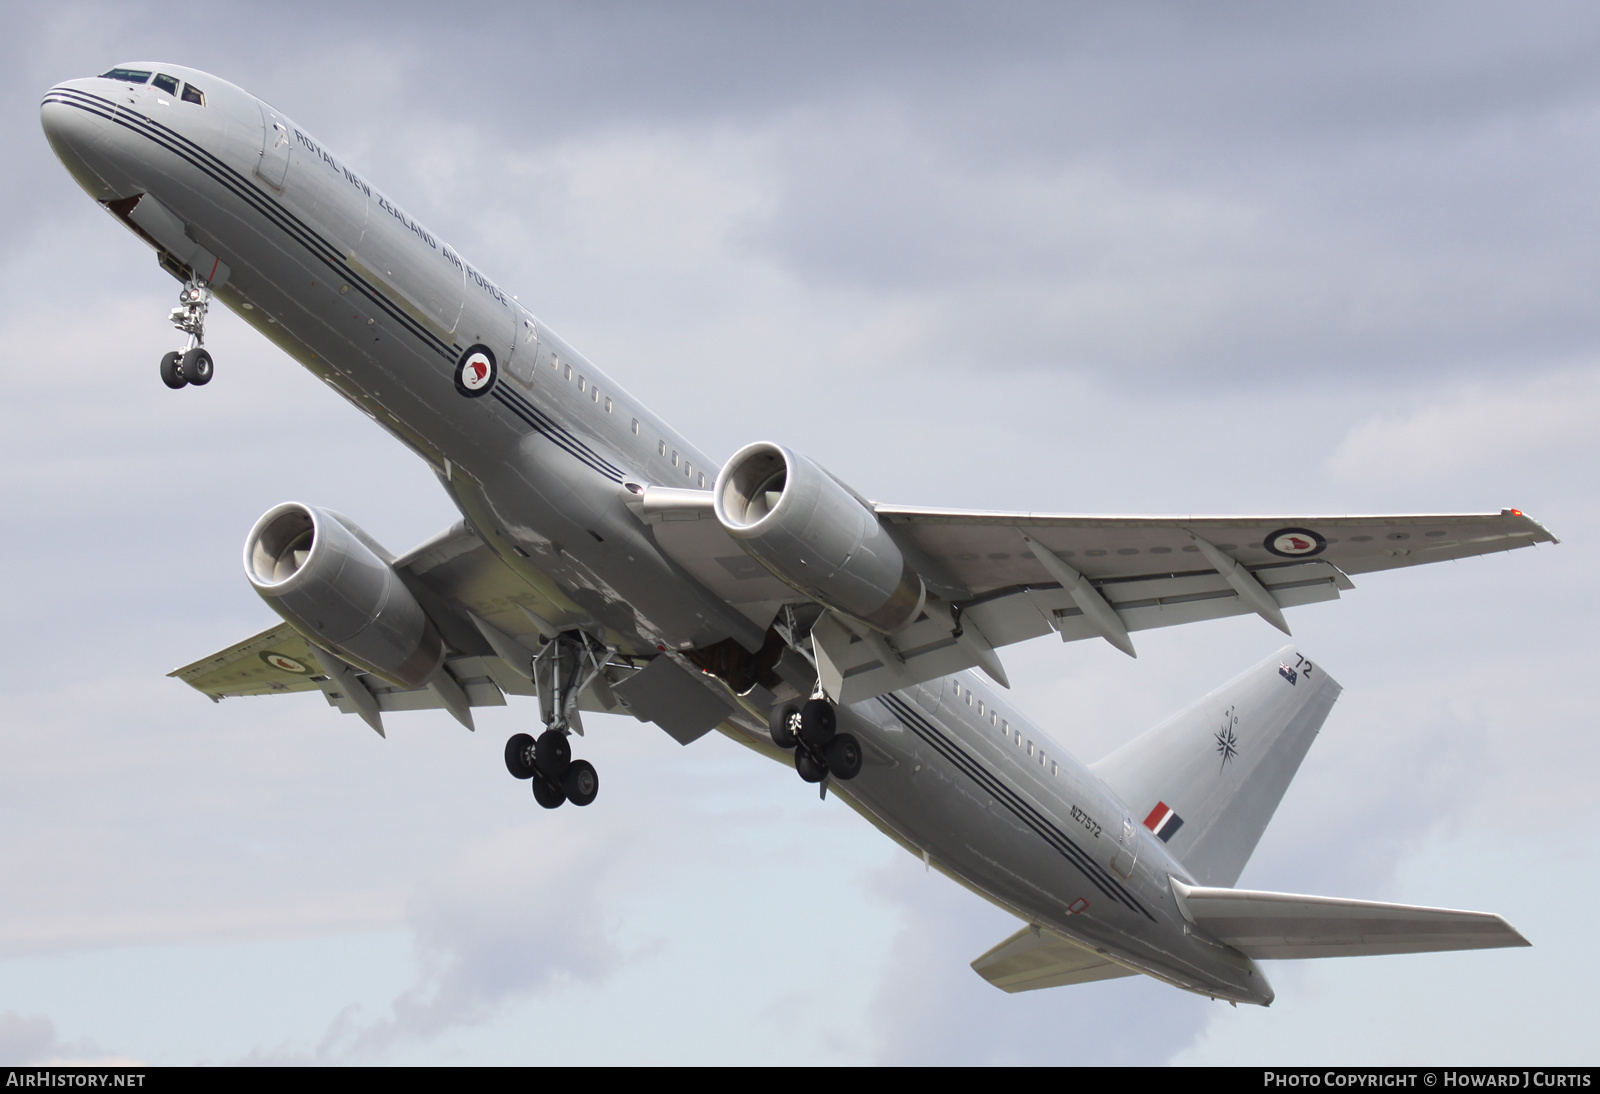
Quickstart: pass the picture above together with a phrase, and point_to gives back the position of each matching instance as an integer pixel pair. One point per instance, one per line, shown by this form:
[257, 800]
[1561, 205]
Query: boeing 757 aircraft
[603, 563]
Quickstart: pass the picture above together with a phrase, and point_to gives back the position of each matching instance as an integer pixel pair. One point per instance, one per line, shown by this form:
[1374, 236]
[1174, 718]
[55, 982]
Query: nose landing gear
[192, 364]
[811, 729]
[566, 666]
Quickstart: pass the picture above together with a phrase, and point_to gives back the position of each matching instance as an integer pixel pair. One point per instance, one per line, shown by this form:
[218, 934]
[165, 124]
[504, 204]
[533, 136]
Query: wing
[1015, 576]
[491, 620]
[1283, 925]
[276, 660]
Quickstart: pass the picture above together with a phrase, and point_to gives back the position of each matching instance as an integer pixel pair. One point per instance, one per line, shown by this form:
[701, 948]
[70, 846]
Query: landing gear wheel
[197, 367]
[817, 722]
[844, 756]
[783, 724]
[172, 371]
[518, 749]
[810, 770]
[548, 794]
[553, 752]
[580, 782]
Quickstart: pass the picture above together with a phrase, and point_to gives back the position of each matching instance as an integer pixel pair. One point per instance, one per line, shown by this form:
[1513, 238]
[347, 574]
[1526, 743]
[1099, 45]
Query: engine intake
[330, 581]
[816, 534]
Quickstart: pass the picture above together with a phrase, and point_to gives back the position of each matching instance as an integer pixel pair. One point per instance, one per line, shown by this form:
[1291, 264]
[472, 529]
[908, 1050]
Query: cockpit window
[165, 83]
[129, 75]
[192, 94]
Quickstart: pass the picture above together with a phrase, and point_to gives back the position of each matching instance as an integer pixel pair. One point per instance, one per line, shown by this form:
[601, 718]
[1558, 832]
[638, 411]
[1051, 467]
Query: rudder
[1208, 780]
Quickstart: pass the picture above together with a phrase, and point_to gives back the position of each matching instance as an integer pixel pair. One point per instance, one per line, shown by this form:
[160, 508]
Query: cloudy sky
[1141, 257]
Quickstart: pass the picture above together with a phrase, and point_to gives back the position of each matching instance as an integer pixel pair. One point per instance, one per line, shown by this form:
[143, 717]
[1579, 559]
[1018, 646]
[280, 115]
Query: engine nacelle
[816, 534]
[328, 579]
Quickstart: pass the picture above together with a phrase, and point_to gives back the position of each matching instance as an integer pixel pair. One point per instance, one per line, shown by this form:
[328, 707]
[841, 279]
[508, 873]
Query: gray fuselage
[382, 310]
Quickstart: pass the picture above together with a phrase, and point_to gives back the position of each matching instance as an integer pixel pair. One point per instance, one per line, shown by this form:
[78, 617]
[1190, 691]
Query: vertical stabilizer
[1207, 781]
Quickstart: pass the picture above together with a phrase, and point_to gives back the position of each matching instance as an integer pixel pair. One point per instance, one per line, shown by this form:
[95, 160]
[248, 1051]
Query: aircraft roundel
[286, 664]
[1295, 543]
[476, 371]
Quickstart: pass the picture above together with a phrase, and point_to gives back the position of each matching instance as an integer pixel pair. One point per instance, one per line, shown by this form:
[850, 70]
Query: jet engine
[817, 535]
[331, 581]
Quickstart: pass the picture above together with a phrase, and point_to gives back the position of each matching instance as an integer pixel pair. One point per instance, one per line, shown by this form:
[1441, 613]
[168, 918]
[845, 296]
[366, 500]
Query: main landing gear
[820, 750]
[192, 364]
[567, 664]
[556, 776]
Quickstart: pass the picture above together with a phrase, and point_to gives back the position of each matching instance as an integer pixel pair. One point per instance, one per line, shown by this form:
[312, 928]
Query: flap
[1036, 957]
[1284, 925]
[856, 669]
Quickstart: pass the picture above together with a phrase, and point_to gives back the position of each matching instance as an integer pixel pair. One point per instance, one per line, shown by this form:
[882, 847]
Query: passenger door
[273, 167]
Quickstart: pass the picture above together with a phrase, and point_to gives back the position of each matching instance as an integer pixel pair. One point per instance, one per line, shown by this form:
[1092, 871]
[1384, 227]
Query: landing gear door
[273, 166]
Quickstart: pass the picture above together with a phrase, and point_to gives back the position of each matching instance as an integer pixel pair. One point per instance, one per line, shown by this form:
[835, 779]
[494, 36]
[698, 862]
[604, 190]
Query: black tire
[580, 782]
[810, 770]
[548, 794]
[517, 757]
[197, 367]
[785, 719]
[172, 371]
[844, 756]
[818, 721]
[553, 752]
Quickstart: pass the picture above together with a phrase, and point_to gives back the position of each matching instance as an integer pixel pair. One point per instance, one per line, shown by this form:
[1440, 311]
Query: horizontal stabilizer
[1284, 925]
[1036, 957]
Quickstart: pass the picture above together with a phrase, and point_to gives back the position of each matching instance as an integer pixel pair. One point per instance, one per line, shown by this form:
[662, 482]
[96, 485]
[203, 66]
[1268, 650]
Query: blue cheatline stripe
[541, 423]
[1098, 876]
[321, 249]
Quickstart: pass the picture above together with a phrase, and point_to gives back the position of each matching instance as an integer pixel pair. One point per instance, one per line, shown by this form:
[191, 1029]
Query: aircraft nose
[78, 124]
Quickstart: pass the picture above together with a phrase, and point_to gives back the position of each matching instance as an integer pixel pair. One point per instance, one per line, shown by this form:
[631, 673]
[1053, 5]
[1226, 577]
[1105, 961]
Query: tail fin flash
[1208, 780]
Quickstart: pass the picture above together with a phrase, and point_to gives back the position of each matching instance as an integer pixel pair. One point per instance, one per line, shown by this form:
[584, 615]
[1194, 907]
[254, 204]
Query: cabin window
[688, 472]
[661, 447]
[969, 698]
[568, 372]
[636, 427]
[1005, 729]
[991, 717]
[980, 708]
[608, 404]
[594, 394]
[1053, 770]
[581, 384]
[957, 689]
[165, 83]
[127, 75]
[702, 480]
[674, 458]
[1030, 748]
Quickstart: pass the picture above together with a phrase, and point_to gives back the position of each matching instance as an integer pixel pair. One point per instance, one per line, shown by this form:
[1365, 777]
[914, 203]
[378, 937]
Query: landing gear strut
[192, 364]
[563, 668]
[811, 729]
